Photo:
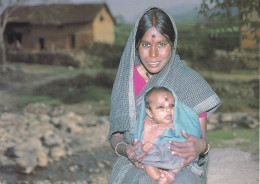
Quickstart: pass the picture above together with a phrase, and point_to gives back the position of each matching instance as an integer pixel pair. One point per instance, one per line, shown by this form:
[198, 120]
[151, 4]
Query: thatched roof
[57, 14]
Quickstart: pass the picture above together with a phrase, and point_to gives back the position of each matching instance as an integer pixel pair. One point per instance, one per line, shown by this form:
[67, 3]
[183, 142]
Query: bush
[43, 57]
[110, 54]
[225, 41]
[78, 89]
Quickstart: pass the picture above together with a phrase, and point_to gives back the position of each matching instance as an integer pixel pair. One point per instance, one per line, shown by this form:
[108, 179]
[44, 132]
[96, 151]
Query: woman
[150, 59]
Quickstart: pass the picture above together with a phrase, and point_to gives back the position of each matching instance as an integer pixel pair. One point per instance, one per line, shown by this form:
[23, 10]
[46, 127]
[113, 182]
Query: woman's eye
[145, 44]
[161, 44]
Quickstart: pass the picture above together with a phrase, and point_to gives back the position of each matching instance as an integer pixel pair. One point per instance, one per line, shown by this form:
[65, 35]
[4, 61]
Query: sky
[130, 9]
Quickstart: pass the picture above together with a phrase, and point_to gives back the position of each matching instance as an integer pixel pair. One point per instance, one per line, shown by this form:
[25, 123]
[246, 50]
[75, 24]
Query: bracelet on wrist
[208, 148]
[117, 146]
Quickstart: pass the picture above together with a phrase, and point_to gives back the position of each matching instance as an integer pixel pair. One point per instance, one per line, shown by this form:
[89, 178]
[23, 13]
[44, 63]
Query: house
[60, 26]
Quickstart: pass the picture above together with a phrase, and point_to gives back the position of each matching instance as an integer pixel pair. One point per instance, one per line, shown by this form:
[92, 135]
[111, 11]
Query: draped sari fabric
[189, 86]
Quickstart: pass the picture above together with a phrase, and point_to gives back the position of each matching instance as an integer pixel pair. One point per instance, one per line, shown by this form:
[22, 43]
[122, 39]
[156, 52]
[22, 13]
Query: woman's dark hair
[158, 19]
[154, 89]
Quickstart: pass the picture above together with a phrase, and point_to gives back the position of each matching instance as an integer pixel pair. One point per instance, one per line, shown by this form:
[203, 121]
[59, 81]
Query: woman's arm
[203, 124]
[117, 142]
[194, 147]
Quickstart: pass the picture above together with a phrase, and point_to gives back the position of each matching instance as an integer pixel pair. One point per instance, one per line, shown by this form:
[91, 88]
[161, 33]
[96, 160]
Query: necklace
[147, 75]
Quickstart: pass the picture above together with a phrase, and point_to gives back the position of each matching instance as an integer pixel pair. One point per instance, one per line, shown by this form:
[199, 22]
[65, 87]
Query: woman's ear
[149, 113]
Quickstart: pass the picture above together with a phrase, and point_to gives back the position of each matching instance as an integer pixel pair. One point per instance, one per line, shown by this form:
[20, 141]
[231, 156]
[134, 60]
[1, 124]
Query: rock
[51, 139]
[212, 126]
[213, 118]
[69, 122]
[234, 120]
[56, 122]
[43, 158]
[57, 152]
[73, 128]
[44, 118]
[73, 168]
[37, 108]
[229, 117]
[57, 111]
[29, 155]
[250, 122]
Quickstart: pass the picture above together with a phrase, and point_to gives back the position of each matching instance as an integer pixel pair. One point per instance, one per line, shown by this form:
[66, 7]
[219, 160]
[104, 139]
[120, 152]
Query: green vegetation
[245, 139]
[238, 105]
[228, 78]
[187, 34]
[80, 88]
[122, 32]
[25, 100]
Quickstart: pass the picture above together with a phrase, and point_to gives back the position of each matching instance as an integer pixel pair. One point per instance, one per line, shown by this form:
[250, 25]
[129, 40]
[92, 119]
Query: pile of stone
[42, 134]
[232, 120]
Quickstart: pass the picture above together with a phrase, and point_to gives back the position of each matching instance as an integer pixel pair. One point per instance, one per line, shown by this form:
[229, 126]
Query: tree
[7, 10]
[231, 15]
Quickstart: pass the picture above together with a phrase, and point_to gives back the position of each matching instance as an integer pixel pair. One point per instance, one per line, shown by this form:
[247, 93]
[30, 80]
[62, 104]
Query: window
[13, 37]
[72, 41]
[41, 42]
[101, 18]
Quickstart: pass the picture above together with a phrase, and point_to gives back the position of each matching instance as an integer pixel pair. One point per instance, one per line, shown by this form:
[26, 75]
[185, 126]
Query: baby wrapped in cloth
[160, 156]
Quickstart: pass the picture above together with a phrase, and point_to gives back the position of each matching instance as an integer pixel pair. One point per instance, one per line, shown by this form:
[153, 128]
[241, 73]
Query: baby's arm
[147, 146]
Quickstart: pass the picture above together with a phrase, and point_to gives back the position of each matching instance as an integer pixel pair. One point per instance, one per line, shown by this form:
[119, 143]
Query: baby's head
[159, 103]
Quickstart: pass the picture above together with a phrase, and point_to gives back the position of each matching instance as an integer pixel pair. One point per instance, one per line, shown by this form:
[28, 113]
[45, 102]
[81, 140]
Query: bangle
[117, 146]
[207, 150]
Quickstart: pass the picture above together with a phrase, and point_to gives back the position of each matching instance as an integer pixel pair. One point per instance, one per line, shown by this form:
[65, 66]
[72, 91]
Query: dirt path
[232, 166]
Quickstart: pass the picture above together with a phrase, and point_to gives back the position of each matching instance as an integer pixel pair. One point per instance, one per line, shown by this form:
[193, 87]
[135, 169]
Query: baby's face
[162, 106]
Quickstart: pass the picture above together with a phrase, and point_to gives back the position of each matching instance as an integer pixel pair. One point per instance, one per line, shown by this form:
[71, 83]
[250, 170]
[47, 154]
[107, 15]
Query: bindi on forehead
[166, 98]
[153, 36]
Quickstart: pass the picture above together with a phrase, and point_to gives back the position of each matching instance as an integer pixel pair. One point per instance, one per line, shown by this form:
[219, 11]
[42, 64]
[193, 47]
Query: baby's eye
[172, 105]
[159, 107]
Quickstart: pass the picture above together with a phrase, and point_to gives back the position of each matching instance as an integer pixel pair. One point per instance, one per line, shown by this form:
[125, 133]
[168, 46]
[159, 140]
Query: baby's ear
[148, 111]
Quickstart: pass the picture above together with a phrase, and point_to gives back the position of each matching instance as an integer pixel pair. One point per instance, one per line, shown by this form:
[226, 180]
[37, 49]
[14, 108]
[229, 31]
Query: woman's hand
[191, 149]
[130, 151]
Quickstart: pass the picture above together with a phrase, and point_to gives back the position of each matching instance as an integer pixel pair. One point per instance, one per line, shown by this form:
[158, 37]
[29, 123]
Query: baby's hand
[147, 147]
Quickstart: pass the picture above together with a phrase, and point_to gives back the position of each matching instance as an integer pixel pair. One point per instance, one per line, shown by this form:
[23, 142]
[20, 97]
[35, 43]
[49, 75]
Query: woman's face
[154, 51]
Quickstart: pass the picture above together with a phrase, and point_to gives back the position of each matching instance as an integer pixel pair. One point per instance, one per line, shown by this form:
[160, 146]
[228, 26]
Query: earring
[151, 119]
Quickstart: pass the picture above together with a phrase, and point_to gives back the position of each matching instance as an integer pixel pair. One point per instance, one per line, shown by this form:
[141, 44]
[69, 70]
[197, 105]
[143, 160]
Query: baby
[158, 128]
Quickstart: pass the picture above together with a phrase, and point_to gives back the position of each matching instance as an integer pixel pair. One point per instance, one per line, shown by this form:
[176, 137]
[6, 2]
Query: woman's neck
[144, 73]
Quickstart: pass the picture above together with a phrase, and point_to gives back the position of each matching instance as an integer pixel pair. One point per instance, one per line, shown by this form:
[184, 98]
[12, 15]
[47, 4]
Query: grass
[25, 100]
[231, 104]
[245, 139]
[235, 75]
